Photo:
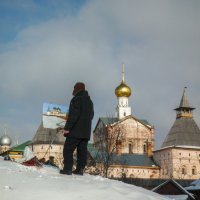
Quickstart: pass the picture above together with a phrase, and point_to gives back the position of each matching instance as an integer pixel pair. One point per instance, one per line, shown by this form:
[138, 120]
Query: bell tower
[123, 92]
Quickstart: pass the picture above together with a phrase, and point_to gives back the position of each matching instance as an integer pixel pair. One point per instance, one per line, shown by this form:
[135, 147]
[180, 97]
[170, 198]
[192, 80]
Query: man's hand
[63, 131]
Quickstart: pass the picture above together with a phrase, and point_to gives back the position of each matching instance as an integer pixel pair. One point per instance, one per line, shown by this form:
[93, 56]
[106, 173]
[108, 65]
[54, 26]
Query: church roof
[47, 135]
[109, 120]
[20, 147]
[112, 120]
[134, 160]
[123, 159]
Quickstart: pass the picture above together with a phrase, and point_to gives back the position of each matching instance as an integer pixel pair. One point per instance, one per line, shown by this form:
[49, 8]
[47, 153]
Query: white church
[133, 143]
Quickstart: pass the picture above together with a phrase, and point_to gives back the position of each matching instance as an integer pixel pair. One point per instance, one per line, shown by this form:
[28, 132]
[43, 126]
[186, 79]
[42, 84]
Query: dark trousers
[69, 147]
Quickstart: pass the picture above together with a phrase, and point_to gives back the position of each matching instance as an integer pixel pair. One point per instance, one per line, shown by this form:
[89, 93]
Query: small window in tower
[183, 170]
[194, 171]
[130, 148]
[124, 114]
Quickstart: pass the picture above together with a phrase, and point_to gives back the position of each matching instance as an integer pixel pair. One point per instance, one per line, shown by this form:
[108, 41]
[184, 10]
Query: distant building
[131, 140]
[5, 141]
[179, 155]
[47, 144]
[173, 190]
[16, 152]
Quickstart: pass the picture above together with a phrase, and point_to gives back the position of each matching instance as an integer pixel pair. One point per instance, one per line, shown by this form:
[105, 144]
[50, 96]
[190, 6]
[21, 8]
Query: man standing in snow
[77, 130]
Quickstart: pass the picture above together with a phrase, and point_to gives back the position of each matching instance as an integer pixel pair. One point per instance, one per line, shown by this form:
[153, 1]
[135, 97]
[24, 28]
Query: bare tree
[108, 143]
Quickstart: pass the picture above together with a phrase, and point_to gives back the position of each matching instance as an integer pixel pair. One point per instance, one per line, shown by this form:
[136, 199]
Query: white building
[179, 155]
[129, 140]
[47, 145]
[5, 141]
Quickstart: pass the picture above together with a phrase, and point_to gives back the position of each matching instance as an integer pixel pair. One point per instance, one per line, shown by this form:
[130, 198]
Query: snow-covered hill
[18, 182]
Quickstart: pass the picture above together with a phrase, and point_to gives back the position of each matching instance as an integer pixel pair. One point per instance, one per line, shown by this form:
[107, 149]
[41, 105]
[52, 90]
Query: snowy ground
[18, 182]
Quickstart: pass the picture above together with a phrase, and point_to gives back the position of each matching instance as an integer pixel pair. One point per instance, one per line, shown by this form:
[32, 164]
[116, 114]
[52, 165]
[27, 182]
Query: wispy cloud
[158, 42]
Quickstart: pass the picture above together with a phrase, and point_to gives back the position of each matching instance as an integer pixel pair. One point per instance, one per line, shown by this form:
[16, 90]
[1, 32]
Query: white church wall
[135, 136]
[133, 172]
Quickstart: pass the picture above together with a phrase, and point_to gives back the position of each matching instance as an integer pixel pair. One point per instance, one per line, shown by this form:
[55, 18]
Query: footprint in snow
[7, 187]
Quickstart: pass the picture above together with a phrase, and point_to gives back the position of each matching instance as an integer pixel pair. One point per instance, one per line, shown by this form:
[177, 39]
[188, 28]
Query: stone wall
[54, 153]
[179, 163]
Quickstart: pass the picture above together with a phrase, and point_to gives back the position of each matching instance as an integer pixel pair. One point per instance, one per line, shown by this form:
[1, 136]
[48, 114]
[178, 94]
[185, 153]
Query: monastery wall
[133, 172]
[55, 152]
[178, 163]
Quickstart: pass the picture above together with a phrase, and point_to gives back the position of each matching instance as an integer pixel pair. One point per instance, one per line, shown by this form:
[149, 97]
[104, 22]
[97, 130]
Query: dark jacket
[80, 116]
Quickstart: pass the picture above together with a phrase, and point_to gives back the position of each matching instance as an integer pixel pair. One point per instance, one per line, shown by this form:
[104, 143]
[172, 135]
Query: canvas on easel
[54, 115]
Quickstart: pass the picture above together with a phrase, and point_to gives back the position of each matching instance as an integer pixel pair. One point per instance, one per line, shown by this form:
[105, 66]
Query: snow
[181, 146]
[178, 197]
[30, 183]
[195, 185]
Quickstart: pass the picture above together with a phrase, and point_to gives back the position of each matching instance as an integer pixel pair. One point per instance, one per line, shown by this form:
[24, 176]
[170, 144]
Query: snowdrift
[21, 182]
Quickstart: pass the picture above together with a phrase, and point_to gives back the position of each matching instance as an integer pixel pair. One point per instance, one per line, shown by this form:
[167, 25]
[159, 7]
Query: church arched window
[131, 176]
[194, 170]
[183, 170]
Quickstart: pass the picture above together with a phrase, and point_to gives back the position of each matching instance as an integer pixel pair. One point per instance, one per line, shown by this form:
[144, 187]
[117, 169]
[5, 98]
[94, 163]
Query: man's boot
[67, 172]
[78, 171]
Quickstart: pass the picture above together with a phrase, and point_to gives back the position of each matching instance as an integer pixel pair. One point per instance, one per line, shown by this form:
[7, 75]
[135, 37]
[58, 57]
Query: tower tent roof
[184, 103]
[47, 135]
[184, 132]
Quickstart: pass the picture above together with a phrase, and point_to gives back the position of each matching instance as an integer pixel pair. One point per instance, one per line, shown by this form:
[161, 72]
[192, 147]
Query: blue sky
[47, 46]
[16, 15]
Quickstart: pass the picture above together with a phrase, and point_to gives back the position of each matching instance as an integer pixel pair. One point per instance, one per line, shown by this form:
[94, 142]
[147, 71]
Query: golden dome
[123, 90]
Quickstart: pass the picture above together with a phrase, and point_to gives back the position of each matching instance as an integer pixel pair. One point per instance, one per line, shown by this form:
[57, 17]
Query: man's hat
[79, 86]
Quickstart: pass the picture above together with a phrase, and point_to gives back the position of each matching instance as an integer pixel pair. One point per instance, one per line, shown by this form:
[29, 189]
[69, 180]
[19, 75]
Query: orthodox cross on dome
[5, 129]
[123, 72]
